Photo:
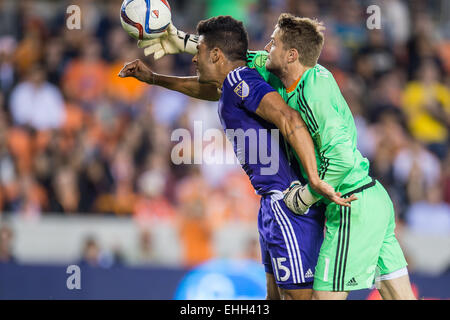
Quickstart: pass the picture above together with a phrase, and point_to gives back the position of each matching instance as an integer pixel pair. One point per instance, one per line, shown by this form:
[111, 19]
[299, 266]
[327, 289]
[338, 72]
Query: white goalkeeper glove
[173, 41]
[299, 198]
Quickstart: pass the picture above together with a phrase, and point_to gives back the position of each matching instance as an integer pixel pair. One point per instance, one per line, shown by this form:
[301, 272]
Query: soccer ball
[145, 19]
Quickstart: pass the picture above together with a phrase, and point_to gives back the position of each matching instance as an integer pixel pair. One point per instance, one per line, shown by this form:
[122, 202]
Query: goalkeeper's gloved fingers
[174, 41]
[159, 54]
[152, 49]
[146, 43]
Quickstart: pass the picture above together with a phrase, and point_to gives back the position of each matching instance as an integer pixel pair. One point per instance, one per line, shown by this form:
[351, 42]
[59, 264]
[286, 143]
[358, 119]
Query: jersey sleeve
[246, 90]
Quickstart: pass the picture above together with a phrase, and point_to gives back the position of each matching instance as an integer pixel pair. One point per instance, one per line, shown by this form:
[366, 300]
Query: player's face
[277, 54]
[201, 60]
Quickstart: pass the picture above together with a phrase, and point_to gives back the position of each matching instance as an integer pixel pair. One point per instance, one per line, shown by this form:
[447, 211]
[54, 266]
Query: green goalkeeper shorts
[359, 242]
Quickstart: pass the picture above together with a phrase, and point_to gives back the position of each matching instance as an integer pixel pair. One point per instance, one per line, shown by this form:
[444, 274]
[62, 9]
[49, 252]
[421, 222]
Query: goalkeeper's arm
[186, 85]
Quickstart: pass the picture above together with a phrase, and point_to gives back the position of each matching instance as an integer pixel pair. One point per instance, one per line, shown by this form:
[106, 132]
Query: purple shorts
[290, 243]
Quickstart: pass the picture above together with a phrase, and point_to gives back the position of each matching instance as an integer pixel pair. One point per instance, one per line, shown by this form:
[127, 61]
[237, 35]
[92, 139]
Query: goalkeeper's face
[277, 58]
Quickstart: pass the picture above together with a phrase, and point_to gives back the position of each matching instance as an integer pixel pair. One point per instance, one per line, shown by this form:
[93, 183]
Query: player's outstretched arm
[186, 85]
[272, 108]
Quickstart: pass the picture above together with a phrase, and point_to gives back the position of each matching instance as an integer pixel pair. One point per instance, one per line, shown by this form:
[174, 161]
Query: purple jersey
[258, 145]
[290, 243]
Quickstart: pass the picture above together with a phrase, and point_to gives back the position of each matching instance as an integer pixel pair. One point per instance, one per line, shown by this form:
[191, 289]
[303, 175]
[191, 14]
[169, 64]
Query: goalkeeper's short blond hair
[303, 34]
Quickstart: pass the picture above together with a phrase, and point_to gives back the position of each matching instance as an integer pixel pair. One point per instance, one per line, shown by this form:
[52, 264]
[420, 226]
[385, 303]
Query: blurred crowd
[76, 139]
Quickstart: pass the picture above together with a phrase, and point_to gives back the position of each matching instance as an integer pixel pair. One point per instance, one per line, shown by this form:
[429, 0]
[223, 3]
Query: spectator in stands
[145, 253]
[37, 103]
[422, 45]
[446, 179]
[54, 60]
[65, 184]
[85, 78]
[33, 198]
[195, 235]
[30, 49]
[152, 205]
[6, 238]
[380, 56]
[417, 169]
[90, 255]
[7, 72]
[427, 105]
[122, 198]
[396, 16]
[10, 19]
[389, 138]
[430, 215]
[130, 91]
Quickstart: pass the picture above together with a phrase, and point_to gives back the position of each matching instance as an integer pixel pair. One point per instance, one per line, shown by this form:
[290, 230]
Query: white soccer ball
[145, 19]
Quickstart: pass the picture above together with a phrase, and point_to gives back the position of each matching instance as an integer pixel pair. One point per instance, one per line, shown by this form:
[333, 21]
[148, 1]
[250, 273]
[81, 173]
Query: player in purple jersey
[250, 112]
[289, 243]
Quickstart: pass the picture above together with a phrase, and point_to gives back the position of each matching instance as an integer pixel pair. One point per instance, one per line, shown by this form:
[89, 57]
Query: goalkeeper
[359, 240]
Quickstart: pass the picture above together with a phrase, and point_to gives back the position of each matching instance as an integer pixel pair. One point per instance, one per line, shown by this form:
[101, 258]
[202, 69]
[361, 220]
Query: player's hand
[299, 198]
[137, 69]
[328, 192]
[173, 41]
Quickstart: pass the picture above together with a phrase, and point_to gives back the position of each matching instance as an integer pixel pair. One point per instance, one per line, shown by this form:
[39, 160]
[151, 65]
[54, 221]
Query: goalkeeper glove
[299, 198]
[171, 42]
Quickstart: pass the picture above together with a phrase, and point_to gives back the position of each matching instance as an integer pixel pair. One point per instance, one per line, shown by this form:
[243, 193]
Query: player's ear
[215, 54]
[292, 55]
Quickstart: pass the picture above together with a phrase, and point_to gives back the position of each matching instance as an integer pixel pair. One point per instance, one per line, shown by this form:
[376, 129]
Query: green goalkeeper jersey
[329, 120]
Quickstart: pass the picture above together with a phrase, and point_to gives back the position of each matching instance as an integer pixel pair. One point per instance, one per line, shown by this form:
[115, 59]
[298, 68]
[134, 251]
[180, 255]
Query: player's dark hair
[303, 34]
[227, 34]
